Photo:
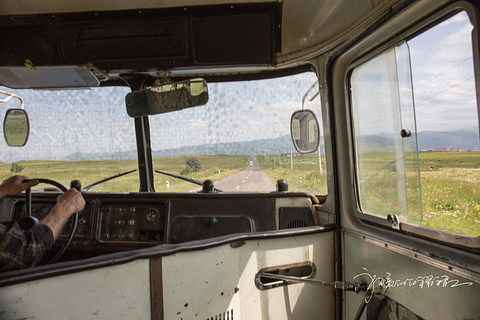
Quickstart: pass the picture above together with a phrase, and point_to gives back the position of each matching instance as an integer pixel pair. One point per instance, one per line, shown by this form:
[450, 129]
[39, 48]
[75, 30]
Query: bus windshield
[240, 139]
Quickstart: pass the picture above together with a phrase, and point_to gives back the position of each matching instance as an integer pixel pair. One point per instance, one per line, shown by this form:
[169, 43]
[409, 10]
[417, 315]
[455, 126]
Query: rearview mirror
[16, 127]
[304, 131]
[167, 97]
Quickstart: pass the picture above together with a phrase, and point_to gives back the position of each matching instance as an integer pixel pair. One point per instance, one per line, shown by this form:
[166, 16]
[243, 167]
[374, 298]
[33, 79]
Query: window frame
[367, 53]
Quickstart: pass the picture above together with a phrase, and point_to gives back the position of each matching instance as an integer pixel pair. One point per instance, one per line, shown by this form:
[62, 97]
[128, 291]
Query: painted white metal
[116, 292]
[220, 281]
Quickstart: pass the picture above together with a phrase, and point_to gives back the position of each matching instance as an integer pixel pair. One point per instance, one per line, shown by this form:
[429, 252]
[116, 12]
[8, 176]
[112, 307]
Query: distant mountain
[464, 140]
[100, 156]
[428, 140]
[263, 146]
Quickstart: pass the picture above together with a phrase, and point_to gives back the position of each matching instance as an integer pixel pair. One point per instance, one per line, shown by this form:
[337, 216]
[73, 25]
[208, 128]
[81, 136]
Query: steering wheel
[73, 221]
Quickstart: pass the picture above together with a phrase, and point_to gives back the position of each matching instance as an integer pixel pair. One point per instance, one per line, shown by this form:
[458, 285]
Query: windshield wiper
[195, 181]
[107, 179]
[198, 182]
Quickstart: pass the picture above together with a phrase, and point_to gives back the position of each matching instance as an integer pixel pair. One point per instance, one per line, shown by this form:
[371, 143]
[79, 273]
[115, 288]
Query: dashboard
[119, 222]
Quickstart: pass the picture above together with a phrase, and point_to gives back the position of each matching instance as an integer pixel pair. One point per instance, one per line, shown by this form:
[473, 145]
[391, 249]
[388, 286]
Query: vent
[297, 223]
[228, 315]
[290, 218]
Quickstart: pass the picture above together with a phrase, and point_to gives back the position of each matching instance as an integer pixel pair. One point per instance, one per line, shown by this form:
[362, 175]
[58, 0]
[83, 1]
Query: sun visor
[53, 77]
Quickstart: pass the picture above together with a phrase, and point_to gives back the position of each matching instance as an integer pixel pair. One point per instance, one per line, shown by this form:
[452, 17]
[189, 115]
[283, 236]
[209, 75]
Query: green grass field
[305, 175]
[450, 181]
[213, 167]
[450, 186]
[451, 191]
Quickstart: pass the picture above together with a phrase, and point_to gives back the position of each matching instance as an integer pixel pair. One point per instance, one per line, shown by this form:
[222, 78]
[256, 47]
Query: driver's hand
[13, 185]
[71, 202]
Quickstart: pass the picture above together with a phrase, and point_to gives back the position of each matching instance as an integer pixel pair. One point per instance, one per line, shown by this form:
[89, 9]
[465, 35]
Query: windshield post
[144, 150]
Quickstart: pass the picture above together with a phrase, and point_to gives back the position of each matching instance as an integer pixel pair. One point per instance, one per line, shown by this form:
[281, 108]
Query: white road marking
[237, 187]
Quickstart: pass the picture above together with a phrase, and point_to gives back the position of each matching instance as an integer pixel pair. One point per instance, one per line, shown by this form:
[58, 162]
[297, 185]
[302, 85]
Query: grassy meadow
[451, 191]
[305, 175]
[89, 171]
[213, 167]
[450, 181]
[450, 184]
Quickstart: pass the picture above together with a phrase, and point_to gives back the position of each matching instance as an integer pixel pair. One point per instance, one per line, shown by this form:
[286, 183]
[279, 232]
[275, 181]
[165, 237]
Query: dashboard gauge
[152, 216]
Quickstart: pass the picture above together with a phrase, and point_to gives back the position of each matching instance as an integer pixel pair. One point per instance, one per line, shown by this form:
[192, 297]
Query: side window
[416, 130]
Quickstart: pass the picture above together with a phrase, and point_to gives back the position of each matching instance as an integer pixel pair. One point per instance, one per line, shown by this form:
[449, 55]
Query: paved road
[250, 179]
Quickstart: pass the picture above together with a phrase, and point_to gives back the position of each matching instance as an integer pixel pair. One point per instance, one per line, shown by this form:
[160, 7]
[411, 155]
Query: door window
[416, 132]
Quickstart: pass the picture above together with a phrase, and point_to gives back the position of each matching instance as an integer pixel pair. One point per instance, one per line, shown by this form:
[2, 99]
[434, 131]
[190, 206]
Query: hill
[428, 140]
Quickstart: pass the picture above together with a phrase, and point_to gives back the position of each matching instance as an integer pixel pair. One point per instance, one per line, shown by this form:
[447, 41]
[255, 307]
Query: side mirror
[305, 131]
[167, 97]
[16, 127]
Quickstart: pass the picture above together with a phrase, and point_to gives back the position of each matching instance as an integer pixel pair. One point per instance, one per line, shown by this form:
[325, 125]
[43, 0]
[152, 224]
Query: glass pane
[242, 123]
[76, 134]
[447, 120]
[381, 169]
[245, 127]
[438, 124]
[408, 134]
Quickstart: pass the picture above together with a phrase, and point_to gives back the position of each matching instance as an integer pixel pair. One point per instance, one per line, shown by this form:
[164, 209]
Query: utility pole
[291, 158]
[320, 159]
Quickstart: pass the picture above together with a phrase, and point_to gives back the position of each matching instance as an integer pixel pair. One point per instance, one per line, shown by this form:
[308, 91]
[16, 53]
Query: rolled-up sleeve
[23, 248]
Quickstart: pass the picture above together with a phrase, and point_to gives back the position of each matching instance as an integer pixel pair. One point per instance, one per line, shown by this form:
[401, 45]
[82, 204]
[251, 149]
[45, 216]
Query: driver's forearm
[55, 220]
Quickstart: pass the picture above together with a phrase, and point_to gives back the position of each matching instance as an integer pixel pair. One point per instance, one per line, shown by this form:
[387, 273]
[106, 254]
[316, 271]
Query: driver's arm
[67, 204]
[24, 248]
[14, 185]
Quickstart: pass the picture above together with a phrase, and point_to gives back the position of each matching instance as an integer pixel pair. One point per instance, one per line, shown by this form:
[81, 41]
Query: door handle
[304, 272]
[273, 277]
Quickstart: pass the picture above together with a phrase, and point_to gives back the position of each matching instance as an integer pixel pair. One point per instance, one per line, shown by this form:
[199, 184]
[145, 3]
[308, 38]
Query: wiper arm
[107, 179]
[195, 181]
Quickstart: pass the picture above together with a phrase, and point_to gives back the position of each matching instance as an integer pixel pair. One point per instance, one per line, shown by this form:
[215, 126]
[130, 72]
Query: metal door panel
[426, 287]
[115, 292]
[218, 283]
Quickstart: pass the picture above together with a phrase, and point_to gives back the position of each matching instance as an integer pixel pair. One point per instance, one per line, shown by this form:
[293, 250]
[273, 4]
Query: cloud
[443, 75]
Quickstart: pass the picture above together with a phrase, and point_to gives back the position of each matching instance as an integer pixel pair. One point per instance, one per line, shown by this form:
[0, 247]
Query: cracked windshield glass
[240, 139]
